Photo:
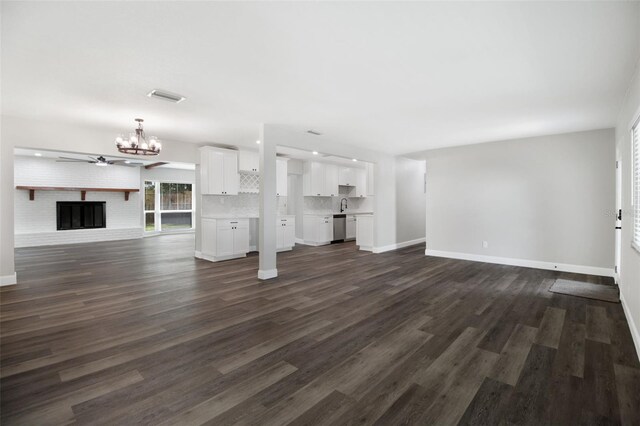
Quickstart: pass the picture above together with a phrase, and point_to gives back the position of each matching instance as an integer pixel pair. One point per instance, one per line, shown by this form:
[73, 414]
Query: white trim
[314, 244]
[200, 255]
[268, 274]
[300, 241]
[565, 267]
[9, 279]
[398, 245]
[635, 336]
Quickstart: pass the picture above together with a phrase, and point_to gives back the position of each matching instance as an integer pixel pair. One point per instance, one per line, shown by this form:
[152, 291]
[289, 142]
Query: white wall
[545, 199]
[410, 200]
[35, 221]
[164, 174]
[629, 276]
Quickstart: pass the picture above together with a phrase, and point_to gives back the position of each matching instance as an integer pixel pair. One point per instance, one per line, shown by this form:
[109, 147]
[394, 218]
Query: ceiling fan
[99, 161]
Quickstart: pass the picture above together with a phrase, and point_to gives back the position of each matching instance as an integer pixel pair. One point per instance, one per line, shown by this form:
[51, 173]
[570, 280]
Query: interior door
[618, 213]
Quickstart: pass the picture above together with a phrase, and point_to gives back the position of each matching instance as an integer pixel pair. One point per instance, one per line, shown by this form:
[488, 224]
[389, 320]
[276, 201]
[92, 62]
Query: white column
[7, 266]
[268, 206]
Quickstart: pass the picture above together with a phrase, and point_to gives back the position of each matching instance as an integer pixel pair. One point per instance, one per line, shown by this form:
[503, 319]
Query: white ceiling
[394, 77]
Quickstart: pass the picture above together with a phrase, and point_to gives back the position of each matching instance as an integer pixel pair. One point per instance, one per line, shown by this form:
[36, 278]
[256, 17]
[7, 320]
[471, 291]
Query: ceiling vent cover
[166, 96]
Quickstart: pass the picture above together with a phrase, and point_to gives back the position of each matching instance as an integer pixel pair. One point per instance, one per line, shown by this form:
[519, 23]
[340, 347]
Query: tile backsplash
[237, 205]
[332, 204]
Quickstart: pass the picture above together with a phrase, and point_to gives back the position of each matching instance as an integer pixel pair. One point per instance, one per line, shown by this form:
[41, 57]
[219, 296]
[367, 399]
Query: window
[635, 158]
[168, 206]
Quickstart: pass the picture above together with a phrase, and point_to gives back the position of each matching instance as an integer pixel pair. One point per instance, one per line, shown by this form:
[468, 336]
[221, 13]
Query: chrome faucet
[345, 205]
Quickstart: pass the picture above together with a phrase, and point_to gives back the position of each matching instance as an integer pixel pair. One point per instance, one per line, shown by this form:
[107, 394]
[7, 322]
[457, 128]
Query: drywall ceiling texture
[395, 77]
[545, 199]
[629, 279]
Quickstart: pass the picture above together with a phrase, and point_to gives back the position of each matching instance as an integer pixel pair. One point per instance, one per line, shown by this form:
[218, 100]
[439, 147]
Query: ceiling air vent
[313, 132]
[166, 96]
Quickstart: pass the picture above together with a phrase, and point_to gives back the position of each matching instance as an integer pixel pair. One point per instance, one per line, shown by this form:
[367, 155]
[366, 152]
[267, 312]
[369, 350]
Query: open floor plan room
[320, 213]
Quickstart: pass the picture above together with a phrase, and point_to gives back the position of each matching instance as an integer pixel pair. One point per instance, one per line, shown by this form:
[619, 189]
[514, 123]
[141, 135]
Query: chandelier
[137, 142]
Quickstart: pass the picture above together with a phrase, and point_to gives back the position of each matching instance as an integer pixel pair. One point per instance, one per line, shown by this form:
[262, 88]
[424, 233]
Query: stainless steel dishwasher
[339, 228]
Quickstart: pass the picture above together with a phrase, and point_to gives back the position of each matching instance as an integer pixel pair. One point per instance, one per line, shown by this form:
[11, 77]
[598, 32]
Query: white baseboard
[8, 279]
[579, 269]
[198, 254]
[635, 335]
[299, 241]
[398, 245]
[267, 274]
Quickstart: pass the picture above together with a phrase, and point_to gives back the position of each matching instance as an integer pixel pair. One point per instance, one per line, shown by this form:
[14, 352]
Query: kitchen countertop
[249, 216]
[332, 213]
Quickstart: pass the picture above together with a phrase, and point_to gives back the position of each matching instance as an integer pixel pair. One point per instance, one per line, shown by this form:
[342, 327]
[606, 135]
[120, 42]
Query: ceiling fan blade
[70, 161]
[73, 159]
[124, 165]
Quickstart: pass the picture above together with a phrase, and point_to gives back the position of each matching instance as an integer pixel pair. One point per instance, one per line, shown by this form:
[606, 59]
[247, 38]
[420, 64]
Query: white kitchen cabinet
[346, 176]
[281, 177]
[320, 179]
[331, 180]
[224, 239]
[313, 179]
[361, 183]
[364, 232]
[350, 233]
[248, 161]
[370, 170]
[219, 171]
[318, 229]
[285, 233]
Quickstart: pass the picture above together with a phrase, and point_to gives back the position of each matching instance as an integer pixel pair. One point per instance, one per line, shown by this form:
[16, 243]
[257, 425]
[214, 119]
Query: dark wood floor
[140, 332]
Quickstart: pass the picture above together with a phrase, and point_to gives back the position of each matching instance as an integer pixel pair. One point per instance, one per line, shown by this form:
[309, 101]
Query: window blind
[636, 184]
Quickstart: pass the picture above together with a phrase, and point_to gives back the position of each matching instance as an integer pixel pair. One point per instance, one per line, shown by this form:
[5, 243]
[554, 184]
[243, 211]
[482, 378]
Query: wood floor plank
[141, 332]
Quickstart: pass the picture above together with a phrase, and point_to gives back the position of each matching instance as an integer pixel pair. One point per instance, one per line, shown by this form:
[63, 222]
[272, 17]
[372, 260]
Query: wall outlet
[485, 244]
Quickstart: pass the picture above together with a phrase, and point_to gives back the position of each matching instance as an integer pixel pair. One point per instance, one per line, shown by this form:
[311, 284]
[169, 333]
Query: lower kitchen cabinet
[285, 233]
[350, 227]
[318, 229]
[224, 239]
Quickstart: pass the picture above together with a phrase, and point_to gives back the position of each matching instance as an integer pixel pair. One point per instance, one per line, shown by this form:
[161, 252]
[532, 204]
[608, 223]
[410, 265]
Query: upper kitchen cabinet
[281, 177]
[320, 179]
[370, 169]
[219, 171]
[313, 179]
[361, 183]
[248, 161]
[346, 176]
[331, 180]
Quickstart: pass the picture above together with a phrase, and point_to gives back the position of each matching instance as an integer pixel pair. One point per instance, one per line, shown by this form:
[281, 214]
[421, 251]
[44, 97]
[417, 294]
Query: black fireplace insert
[81, 214]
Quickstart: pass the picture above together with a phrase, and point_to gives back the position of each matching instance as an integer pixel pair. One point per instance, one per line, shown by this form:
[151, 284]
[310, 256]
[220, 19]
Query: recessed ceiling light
[354, 160]
[166, 96]
[315, 152]
[37, 154]
[127, 162]
[258, 142]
